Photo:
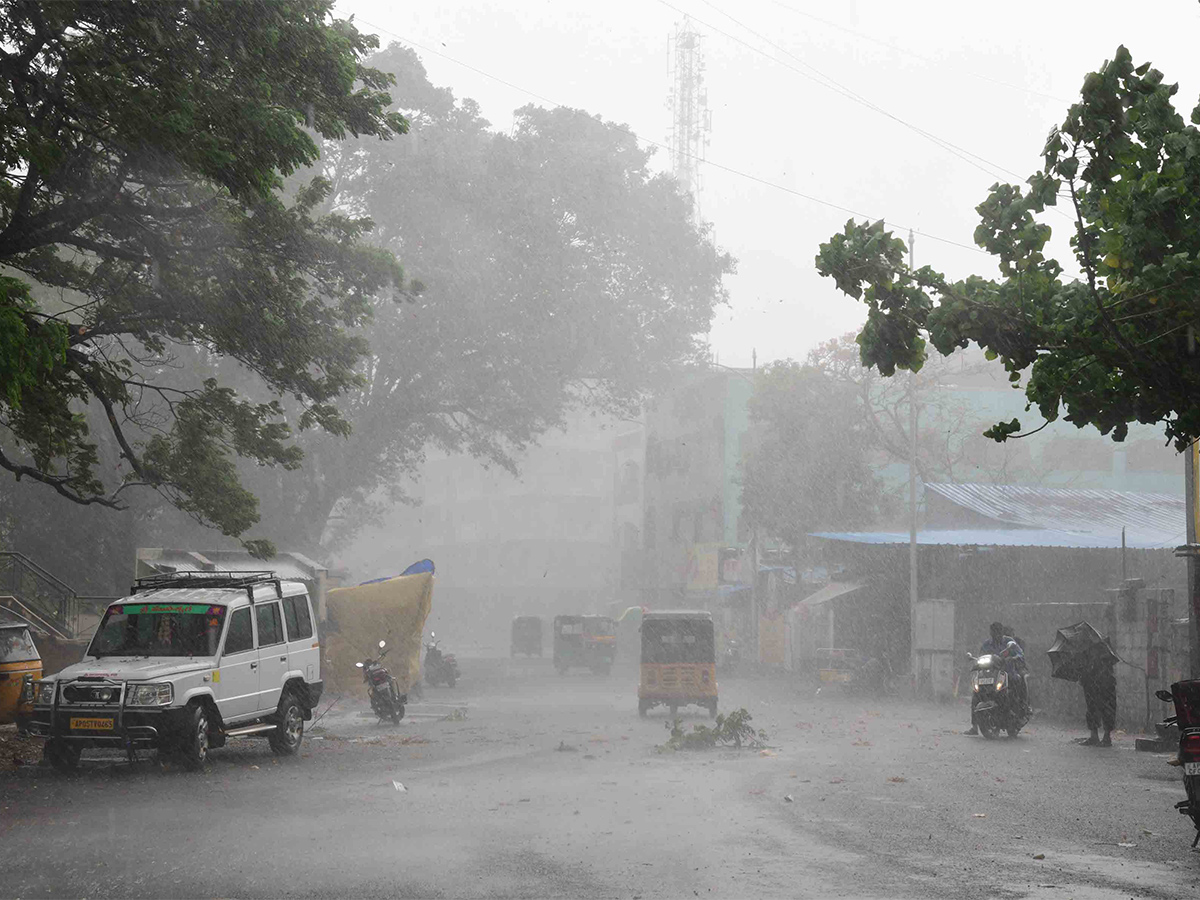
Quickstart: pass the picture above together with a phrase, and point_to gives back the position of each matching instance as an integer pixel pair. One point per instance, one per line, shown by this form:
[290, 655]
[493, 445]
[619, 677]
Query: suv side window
[295, 613]
[240, 637]
[270, 628]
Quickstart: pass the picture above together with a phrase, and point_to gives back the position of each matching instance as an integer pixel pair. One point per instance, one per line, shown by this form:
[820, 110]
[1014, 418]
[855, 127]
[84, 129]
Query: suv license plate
[1192, 768]
[81, 724]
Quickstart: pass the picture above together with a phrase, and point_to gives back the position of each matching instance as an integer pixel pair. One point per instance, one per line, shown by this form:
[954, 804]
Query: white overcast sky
[989, 78]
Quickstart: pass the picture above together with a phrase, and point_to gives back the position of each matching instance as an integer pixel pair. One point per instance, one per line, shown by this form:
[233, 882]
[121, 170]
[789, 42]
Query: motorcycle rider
[998, 644]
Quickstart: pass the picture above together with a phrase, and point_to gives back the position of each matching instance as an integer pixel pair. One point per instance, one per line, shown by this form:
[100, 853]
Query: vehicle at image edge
[678, 661]
[187, 661]
[386, 700]
[439, 666]
[584, 642]
[20, 667]
[1186, 697]
[996, 703]
[526, 636]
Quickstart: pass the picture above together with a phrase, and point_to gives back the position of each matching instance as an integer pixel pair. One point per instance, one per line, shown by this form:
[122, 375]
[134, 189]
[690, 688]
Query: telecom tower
[691, 119]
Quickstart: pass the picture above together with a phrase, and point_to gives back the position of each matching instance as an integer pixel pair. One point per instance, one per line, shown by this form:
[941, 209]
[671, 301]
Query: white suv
[186, 661]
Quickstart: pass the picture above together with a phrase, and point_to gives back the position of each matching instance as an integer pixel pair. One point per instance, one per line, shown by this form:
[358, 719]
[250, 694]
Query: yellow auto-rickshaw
[20, 665]
[679, 663]
[584, 641]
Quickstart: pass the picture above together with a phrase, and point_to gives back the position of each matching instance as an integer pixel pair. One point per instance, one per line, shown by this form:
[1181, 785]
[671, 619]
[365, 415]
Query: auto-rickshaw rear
[20, 666]
[679, 663]
[584, 642]
[526, 636]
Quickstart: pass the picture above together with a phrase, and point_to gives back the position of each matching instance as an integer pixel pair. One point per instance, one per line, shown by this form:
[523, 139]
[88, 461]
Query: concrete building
[693, 536]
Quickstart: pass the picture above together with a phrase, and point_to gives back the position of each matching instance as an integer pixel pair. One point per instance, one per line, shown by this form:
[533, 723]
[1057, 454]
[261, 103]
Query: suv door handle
[254, 665]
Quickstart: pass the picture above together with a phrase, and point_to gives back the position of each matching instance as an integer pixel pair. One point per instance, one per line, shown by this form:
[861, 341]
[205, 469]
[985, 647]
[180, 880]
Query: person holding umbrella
[1080, 653]
[1100, 696]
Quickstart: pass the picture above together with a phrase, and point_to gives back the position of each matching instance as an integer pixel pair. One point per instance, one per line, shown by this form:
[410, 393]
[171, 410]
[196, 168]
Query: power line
[914, 54]
[831, 84]
[729, 169]
[838, 88]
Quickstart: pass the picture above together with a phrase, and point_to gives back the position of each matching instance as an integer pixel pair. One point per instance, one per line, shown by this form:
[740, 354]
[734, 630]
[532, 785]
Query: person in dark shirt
[997, 643]
[1100, 694]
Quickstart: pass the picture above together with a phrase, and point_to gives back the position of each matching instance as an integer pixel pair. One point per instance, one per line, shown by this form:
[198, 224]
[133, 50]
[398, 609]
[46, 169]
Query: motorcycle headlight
[43, 693]
[150, 694]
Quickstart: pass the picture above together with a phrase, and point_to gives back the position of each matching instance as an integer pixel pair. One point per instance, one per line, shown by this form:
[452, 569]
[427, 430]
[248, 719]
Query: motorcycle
[386, 700]
[1186, 697]
[731, 657]
[998, 701]
[439, 666]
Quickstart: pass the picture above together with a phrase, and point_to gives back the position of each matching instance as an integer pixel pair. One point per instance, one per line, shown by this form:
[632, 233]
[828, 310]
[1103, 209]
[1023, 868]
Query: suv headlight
[150, 694]
[43, 693]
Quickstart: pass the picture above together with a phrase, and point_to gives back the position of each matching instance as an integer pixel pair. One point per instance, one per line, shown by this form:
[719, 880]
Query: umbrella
[1077, 649]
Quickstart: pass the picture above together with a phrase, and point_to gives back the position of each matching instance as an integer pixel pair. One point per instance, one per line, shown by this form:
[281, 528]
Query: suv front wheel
[289, 727]
[193, 744]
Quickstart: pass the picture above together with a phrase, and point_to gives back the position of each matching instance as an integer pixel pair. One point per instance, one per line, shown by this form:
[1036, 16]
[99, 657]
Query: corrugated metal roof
[997, 537]
[1149, 520]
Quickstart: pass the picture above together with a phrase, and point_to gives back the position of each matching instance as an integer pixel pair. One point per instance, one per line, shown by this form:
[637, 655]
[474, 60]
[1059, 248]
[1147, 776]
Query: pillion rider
[1008, 648]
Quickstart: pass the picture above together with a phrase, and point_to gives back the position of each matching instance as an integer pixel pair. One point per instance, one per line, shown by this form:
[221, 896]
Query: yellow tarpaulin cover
[394, 611]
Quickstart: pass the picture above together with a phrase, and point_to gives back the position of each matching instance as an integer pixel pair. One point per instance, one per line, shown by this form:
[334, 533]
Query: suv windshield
[159, 629]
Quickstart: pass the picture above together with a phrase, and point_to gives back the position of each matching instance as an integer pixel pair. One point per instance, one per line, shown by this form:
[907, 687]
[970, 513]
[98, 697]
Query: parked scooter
[998, 702]
[1186, 697]
[386, 700]
[439, 666]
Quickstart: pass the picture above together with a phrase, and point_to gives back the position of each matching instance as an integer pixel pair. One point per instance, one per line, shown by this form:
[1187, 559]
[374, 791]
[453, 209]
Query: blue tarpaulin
[425, 565]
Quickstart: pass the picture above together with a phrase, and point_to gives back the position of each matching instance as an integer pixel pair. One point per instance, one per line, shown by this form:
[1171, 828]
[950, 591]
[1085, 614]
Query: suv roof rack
[192, 579]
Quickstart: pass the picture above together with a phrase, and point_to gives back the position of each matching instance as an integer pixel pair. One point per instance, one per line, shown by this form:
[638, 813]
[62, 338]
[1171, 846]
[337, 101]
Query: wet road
[549, 786]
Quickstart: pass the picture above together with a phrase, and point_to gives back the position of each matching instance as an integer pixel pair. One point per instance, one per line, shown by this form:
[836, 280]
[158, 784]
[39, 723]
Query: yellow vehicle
[20, 665]
[679, 663]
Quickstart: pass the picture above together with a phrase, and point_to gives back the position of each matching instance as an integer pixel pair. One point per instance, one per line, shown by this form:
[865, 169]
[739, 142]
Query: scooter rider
[1009, 649]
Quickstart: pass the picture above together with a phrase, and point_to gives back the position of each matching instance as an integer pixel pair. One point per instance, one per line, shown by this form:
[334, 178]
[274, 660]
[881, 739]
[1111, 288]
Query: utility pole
[1193, 564]
[756, 615]
[913, 590]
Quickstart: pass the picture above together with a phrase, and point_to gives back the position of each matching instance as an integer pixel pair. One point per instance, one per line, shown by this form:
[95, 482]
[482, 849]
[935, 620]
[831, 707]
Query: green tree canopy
[144, 148]
[558, 271]
[1113, 347]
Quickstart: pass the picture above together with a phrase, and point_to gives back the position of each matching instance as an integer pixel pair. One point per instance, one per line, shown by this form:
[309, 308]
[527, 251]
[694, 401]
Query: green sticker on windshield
[195, 609]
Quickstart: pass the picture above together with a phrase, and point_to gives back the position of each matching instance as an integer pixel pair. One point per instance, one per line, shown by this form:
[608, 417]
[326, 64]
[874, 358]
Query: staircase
[35, 595]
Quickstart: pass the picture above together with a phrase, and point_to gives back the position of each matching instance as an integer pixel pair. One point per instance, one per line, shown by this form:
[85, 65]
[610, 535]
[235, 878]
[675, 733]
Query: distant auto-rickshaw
[527, 635]
[678, 661]
[20, 666]
[836, 665]
[584, 642]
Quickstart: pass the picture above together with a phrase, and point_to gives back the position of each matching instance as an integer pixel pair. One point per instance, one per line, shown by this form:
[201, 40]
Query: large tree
[808, 467]
[558, 271]
[143, 222]
[1112, 347]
